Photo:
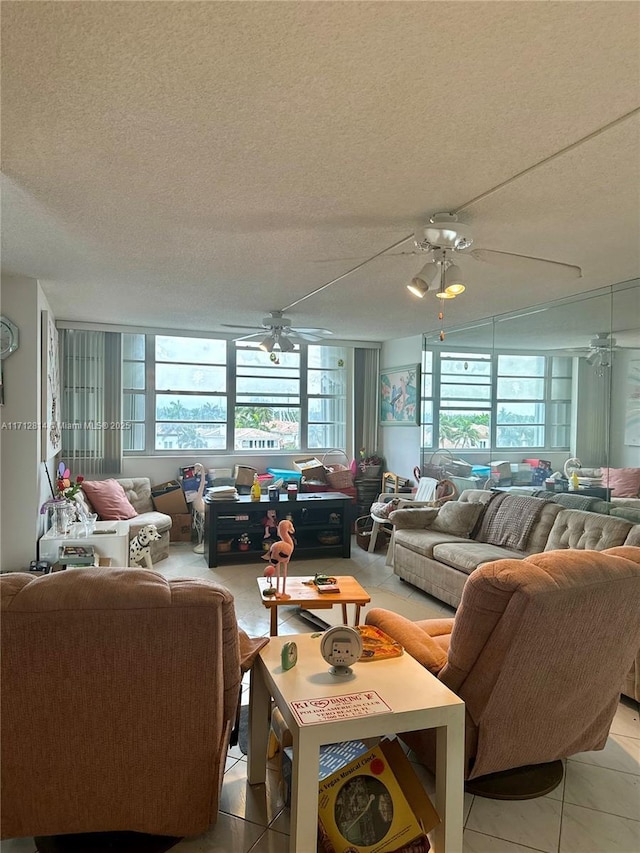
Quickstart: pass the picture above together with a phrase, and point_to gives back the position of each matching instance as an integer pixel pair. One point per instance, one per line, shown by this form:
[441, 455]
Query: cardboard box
[244, 475]
[169, 498]
[376, 803]
[310, 467]
[181, 529]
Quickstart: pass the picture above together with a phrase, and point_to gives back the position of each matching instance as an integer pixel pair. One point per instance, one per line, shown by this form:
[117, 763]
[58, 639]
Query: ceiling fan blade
[297, 335]
[512, 260]
[320, 333]
[235, 326]
[253, 335]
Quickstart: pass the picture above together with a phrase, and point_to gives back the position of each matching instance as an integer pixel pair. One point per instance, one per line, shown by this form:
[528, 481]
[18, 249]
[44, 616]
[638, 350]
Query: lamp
[285, 344]
[268, 343]
[421, 282]
[453, 283]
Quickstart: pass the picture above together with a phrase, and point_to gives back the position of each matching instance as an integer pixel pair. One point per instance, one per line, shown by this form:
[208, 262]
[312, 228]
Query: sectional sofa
[436, 550]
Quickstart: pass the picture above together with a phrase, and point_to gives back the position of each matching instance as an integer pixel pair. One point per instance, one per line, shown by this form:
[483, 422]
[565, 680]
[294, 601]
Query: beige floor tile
[588, 831]
[620, 753]
[272, 842]
[282, 823]
[17, 845]
[229, 834]
[259, 804]
[605, 790]
[476, 842]
[627, 719]
[531, 823]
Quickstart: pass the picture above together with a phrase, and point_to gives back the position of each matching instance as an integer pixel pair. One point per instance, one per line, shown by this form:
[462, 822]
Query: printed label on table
[333, 708]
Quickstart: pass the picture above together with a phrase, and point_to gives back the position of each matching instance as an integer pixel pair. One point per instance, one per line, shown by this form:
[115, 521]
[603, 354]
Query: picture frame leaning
[399, 401]
[50, 389]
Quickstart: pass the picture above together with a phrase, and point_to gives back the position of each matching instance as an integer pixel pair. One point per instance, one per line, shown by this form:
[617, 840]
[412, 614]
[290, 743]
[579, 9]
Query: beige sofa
[138, 492]
[440, 563]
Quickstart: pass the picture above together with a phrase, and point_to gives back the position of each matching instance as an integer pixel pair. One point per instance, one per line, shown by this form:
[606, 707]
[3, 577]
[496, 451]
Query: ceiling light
[268, 343]
[285, 344]
[421, 282]
[453, 284]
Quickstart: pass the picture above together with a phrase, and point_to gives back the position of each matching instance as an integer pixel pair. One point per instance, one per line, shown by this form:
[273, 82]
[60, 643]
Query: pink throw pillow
[109, 500]
[623, 482]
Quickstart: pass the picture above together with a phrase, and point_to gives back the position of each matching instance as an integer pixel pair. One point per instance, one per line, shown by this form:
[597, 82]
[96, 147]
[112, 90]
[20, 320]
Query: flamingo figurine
[280, 553]
[198, 508]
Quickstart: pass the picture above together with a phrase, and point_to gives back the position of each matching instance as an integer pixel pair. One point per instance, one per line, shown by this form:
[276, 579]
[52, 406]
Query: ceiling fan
[444, 236]
[279, 332]
[599, 351]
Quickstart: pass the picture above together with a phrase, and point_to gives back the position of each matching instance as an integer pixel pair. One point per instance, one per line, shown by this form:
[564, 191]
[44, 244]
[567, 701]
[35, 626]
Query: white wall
[400, 445]
[23, 481]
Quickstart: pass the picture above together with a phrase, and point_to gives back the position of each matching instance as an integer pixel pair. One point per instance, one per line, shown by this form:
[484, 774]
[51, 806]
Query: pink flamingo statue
[280, 553]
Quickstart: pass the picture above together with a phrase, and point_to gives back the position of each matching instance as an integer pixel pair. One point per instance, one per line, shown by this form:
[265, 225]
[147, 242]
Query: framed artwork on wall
[400, 396]
[50, 389]
[632, 414]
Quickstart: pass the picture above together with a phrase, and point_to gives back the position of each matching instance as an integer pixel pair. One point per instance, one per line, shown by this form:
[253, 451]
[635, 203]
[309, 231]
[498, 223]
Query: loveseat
[137, 492]
[436, 550]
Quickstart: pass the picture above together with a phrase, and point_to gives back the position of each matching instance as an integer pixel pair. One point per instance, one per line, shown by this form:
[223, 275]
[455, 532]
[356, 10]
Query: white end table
[114, 545]
[417, 701]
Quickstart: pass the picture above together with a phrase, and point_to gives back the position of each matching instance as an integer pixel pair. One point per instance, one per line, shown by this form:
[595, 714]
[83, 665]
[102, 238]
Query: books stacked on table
[222, 493]
[77, 556]
[325, 584]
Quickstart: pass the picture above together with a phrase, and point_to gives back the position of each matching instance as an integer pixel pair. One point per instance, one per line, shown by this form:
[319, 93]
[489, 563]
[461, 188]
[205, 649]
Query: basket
[438, 468]
[329, 537]
[223, 545]
[338, 475]
[363, 526]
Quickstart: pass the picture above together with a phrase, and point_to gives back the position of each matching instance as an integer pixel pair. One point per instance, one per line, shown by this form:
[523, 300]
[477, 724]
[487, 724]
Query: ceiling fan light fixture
[453, 281]
[285, 344]
[267, 344]
[418, 288]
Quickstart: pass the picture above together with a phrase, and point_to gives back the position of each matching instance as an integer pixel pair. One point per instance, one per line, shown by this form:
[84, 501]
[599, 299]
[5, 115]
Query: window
[503, 400]
[184, 393]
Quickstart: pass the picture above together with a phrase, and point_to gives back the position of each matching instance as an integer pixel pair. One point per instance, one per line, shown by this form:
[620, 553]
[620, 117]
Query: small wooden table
[307, 597]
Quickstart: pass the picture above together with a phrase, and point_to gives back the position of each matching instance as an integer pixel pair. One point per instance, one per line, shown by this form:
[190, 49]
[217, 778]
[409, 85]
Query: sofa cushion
[162, 522]
[542, 528]
[418, 518]
[108, 499]
[623, 482]
[469, 555]
[457, 518]
[138, 492]
[633, 537]
[423, 541]
[574, 528]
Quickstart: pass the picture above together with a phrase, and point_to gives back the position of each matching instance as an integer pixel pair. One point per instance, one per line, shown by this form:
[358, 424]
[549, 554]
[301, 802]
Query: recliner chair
[539, 650]
[119, 693]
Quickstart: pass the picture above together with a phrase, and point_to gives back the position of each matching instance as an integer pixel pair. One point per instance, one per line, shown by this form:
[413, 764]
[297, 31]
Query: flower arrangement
[244, 539]
[66, 489]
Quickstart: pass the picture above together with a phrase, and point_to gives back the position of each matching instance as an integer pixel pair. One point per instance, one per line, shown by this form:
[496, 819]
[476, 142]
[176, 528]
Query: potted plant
[370, 465]
[244, 542]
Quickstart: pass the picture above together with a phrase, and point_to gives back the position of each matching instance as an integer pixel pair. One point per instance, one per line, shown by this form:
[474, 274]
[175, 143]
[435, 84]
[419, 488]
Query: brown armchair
[539, 650]
[119, 692]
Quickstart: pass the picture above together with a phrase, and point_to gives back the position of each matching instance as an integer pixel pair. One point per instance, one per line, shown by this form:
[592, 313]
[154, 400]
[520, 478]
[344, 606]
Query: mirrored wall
[555, 381]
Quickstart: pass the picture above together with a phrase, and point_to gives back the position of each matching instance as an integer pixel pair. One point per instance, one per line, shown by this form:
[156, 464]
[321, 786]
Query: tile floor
[596, 808]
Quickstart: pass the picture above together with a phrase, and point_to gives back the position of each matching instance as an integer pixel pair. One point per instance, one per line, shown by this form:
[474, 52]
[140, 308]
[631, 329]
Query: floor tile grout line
[500, 838]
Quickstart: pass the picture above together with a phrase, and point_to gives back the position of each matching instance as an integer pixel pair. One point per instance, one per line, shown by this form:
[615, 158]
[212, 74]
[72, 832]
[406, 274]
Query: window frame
[231, 399]
[435, 399]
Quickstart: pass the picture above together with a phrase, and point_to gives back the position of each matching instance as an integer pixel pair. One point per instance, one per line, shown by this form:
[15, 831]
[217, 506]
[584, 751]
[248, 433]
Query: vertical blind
[92, 401]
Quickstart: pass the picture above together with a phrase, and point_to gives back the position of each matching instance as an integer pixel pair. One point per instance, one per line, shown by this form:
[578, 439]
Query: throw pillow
[623, 482]
[383, 509]
[109, 500]
[417, 518]
[458, 518]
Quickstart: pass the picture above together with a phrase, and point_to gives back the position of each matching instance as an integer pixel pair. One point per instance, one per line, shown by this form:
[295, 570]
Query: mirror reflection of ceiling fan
[599, 352]
[277, 331]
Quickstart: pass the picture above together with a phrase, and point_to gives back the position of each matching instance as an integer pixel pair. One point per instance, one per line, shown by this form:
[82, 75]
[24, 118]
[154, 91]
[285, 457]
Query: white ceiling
[183, 164]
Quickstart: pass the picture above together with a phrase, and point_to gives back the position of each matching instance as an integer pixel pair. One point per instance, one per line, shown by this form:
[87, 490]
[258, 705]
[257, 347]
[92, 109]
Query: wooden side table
[307, 597]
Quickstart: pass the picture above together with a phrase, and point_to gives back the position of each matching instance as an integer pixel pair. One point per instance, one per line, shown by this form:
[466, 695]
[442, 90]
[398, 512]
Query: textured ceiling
[187, 164]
